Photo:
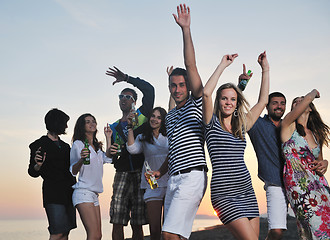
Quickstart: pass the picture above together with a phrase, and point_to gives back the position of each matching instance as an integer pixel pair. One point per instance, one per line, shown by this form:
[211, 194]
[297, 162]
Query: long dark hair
[147, 133]
[314, 123]
[238, 124]
[80, 132]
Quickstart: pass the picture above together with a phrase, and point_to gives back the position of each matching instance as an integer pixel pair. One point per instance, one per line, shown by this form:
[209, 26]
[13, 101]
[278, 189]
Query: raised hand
[244, 75]
[262, 60]
[116, 73]
[169, 70]
[228, 59]
[183, 17]
[107, 131]
[317, 93]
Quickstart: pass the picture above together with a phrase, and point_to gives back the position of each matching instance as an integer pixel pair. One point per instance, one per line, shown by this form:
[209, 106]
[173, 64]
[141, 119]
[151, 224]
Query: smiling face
[90, 124]
[276, 108]
[227, 102]
[125, 103]
[155, 120]
[178, 90]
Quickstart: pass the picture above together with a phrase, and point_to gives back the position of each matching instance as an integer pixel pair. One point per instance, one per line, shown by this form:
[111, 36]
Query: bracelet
[126, 78]
[129, 126]
[265, 71]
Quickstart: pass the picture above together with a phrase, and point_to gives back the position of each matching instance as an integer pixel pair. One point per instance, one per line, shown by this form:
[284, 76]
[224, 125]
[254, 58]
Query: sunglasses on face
[127, 97]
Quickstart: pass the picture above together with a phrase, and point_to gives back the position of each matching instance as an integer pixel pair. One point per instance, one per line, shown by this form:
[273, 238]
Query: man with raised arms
[184, 125]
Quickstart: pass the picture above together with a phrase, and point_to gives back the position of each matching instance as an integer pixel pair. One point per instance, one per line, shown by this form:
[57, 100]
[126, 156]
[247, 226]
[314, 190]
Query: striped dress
[232, 194]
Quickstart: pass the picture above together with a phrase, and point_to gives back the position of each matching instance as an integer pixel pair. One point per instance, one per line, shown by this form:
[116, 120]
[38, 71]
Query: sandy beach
[220, 232]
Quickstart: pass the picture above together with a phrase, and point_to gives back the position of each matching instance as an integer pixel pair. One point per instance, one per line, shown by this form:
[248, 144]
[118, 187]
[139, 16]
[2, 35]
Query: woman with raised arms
[226, 123]
[303, 134]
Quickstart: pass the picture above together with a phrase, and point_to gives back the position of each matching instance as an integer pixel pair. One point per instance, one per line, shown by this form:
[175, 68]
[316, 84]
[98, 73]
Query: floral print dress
[308, 193]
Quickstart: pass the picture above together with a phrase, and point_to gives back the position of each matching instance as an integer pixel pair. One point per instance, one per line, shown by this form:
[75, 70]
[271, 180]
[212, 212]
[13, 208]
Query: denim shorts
[81, 195]
[61, 218]
[157, 194]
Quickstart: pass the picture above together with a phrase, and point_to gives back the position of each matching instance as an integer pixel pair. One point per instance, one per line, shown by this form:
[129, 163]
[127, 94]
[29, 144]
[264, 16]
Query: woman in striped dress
[232, 194]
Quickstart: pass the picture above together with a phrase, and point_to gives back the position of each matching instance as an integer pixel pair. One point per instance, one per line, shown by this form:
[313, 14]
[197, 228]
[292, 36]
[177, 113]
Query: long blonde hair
[238, 122]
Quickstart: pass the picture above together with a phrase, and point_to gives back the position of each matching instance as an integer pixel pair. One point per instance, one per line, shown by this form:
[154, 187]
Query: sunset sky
[54, 53]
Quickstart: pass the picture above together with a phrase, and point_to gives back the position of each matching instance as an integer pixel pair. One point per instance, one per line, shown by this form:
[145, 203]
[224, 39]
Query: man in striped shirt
[186, 159]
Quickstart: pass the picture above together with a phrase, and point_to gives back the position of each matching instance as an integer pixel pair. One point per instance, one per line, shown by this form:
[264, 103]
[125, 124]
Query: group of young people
[289, 153]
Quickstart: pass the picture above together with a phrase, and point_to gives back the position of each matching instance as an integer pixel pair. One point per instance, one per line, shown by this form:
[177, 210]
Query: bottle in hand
[87, 159]
[242, 84]
[120, 143]
[151, 179]
[135, 120]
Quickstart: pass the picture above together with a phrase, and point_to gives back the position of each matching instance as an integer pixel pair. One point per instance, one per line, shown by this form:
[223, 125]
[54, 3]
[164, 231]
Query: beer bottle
[118, 141]
[135, 120]
[87, 159]
[151, 179]
[242, 84]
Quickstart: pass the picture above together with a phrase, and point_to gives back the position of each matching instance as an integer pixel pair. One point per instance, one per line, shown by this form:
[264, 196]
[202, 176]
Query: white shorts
[157, 194]
[183, 196]
[277, 207]
[81, 195]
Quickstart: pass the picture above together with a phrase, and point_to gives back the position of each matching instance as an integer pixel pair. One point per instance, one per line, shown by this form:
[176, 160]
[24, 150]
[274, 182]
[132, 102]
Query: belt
[188, 170]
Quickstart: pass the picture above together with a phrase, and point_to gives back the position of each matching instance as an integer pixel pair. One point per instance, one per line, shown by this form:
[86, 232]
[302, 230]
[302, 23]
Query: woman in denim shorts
[88, 162]
[153, 143]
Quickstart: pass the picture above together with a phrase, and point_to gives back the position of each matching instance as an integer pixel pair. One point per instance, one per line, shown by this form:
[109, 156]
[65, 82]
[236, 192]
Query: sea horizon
[36, 229]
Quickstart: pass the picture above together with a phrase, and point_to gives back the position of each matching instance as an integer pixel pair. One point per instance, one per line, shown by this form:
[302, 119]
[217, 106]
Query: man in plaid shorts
[127, 202]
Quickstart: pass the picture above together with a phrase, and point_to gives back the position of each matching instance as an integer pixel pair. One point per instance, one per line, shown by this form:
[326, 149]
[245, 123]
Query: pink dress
[308, 193]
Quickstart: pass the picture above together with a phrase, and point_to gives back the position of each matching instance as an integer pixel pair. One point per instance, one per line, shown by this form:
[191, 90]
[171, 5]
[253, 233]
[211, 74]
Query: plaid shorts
[127, 200]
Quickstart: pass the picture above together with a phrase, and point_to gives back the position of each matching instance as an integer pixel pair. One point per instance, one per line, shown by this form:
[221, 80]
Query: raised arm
[117, 74]
[108, 134]
[288, 123]
[183, 20]
[211, 84]
[257, 109]
[171, 102]
[145, 87]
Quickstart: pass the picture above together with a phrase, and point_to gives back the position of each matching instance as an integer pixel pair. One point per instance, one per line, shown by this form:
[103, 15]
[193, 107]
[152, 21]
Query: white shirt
[90, 176]
[155, 154]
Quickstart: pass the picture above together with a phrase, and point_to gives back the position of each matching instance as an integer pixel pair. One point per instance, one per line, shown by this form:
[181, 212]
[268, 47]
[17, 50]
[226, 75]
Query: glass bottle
[87, 159]
[151, 179]
[242, 84]
[135, 119]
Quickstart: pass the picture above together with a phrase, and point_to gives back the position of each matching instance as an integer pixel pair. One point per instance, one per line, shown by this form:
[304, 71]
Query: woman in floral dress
[303, 134]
